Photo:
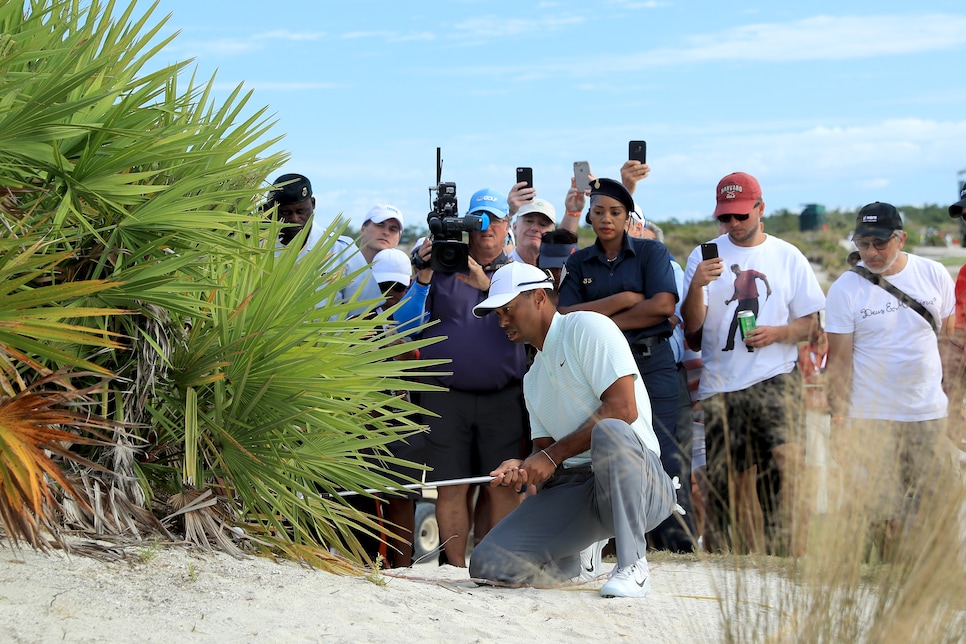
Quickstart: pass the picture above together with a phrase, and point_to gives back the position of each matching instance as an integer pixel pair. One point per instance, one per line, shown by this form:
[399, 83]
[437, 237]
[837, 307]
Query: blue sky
[838, 103]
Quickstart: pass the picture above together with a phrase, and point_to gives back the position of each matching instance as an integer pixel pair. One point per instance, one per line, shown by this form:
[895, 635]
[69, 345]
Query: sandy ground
[170, 594]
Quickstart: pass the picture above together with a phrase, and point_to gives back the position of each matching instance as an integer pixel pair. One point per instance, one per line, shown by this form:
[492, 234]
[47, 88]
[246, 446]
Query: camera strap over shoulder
[901, 295]
[497, 263]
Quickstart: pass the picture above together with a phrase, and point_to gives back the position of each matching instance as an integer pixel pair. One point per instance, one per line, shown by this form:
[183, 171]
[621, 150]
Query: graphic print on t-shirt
[746, 294]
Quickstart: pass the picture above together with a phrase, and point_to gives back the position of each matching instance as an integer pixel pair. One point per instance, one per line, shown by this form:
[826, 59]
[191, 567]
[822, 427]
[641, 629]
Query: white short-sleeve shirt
[896, 368]
[777, 266]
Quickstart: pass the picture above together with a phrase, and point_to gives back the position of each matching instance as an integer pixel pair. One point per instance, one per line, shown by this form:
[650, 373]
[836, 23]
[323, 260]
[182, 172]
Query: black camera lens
[449, 256]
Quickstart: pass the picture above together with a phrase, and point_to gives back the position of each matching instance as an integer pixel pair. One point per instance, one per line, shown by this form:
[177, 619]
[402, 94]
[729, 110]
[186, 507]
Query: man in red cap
[751, 399]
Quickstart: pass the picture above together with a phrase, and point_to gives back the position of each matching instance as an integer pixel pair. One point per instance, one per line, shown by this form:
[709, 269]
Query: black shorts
[749, 423]
[474, 432]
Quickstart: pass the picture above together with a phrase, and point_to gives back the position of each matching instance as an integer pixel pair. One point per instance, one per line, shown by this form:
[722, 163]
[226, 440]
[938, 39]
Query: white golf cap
[382, 212]
[538, 207]
[509, 281]
[392, 265]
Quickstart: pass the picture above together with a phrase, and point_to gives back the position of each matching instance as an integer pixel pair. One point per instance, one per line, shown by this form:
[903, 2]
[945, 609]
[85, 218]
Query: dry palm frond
[29, 438]
[205, 518]
[100, 508]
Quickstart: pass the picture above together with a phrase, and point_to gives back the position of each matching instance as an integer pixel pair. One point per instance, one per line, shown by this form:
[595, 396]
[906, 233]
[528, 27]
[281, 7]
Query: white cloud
[293, 36]
[810, 39]
[367, 35]
[826, 38]
[488, 27]
[640, 4]
[277, 86]
[220, 47]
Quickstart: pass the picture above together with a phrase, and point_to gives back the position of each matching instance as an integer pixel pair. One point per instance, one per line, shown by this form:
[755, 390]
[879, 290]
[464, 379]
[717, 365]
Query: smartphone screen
[525, 174]
[637, 151]
[582, 175]
[709, 251]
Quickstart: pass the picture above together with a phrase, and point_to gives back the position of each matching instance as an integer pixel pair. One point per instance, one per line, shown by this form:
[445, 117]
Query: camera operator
[480, 418]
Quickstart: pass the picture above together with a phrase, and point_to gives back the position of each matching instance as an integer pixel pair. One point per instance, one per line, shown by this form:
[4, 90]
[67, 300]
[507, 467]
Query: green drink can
[746, 319]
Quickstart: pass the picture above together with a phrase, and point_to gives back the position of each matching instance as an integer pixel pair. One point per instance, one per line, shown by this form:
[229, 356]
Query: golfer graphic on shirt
[746, 294]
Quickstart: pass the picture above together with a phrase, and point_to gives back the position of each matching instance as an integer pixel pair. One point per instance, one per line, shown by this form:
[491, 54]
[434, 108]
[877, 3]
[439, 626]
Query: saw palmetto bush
[185, 384]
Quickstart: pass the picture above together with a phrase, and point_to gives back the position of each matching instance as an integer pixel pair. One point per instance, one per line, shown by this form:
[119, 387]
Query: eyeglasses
[878, 244]
[392, 287]
[726, 219]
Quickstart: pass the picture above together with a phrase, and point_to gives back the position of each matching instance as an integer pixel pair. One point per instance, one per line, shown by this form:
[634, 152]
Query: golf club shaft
[473, 480]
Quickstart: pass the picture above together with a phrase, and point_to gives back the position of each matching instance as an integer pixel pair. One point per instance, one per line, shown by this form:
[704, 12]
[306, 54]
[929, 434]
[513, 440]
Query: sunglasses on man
[878, 244]
[392, 287]
[726, 219]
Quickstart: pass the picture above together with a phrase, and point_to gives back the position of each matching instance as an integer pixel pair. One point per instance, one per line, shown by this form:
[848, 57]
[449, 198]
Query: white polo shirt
[584, 354]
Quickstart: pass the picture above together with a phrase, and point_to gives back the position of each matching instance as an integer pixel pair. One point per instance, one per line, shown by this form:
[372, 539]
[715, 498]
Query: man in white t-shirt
[752, 399]
[595, 456]
[884, 374]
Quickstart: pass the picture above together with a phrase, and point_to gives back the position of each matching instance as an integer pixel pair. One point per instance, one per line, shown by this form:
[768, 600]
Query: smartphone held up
[709, 251]
[525, 175]
[582, 175]
[637, 151]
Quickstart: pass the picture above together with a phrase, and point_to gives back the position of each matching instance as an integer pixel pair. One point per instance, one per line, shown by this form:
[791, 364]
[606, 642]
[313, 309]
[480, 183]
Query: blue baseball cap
[490, 201]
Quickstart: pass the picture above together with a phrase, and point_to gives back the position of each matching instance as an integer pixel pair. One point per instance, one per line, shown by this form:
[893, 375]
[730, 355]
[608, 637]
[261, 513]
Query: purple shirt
[483, 359]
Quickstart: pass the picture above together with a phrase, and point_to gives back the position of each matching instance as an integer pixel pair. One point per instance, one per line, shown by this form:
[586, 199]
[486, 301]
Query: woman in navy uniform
[630, 280]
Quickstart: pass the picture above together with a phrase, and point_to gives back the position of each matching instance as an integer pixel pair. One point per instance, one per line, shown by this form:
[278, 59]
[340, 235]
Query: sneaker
[590, 563]
[630, 581]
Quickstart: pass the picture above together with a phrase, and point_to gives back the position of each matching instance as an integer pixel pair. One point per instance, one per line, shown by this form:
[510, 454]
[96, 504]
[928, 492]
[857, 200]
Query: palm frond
[29, 441]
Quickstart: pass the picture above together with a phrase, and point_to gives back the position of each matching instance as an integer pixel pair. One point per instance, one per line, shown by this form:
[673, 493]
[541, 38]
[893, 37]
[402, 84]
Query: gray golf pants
[628, 494]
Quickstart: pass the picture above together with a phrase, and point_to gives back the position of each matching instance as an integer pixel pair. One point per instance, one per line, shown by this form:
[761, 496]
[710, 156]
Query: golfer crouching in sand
[596, 459]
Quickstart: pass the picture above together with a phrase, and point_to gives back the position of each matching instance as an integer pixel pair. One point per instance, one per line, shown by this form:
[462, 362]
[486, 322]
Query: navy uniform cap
[296, 188]
[614, 190]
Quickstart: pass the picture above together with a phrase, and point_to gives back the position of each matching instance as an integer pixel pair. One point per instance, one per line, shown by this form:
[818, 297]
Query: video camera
[446, 227]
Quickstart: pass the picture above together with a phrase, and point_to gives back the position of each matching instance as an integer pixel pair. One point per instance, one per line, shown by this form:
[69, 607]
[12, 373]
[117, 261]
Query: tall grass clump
[872, 570]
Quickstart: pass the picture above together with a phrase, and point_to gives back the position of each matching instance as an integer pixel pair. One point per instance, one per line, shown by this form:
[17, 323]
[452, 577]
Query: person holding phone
[752, 400]
[532, 218]
[631, 281]
[532, 221]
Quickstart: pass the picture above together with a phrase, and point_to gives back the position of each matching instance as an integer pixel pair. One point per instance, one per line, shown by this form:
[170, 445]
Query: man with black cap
[957, 209]
[884, 375]
[291, 196]
[595, 454]
[752, 400]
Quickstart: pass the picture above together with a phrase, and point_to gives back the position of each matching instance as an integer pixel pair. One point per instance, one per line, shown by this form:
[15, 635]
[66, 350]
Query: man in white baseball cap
[532, 220]
[382, 228]
[392, 269]
[595, 453]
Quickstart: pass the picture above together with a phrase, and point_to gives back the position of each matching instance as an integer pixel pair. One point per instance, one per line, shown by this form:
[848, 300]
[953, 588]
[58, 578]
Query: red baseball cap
[737, 194]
